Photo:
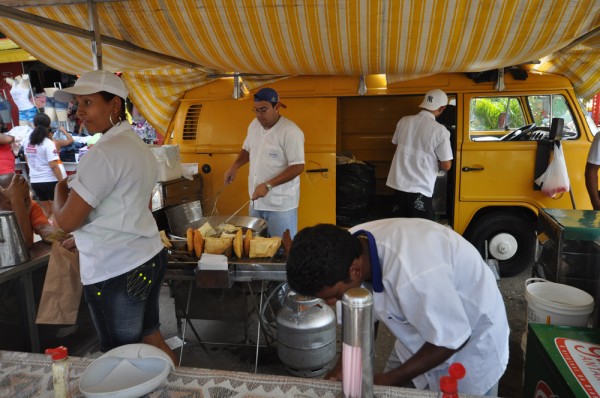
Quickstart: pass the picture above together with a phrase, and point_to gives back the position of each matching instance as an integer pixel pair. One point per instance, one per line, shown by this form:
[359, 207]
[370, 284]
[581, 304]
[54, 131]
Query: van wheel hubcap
[503, 246]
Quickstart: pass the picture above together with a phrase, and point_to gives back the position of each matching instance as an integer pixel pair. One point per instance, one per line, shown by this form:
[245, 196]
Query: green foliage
[489, 114]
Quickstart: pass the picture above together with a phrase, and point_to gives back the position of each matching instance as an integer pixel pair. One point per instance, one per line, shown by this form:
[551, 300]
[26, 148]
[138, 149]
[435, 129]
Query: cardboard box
[562, 361]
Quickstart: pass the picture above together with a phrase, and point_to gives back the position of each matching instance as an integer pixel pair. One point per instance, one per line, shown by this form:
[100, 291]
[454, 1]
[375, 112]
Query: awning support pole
[97, 39]
[46, 23]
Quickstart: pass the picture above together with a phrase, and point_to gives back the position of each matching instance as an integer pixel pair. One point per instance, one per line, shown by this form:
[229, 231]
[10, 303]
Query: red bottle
[449, 384]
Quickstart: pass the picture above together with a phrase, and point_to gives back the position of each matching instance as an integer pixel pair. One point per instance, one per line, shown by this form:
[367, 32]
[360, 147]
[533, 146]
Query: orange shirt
[37, 216]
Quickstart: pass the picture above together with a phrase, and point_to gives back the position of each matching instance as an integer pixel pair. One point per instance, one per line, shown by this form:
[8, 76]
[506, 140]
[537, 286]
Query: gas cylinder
[306, 335]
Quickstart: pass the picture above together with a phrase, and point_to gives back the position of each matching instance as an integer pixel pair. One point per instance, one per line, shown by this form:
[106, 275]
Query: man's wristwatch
[269, 186]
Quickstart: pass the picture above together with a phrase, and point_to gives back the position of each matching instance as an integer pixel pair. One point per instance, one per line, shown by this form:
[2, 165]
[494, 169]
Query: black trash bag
[355, 189]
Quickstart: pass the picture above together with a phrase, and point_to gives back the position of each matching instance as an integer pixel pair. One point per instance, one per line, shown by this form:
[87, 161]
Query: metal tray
[257, 225]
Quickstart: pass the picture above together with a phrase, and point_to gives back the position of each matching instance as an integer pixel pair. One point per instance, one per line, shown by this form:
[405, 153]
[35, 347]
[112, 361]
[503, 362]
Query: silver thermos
[357, 343]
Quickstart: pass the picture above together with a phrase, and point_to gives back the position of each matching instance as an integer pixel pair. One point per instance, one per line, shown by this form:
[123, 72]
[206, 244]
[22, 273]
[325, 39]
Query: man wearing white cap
[423, 148]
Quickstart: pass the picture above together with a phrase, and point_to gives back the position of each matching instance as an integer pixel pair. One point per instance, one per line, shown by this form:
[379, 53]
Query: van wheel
[510, 240]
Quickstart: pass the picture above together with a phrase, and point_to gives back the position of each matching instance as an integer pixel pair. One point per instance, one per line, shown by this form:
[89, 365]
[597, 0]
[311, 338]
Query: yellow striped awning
[403, 39]
[11, 52]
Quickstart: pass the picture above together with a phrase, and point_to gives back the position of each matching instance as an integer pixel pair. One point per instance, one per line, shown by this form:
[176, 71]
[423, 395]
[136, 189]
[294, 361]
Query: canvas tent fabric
[403, 39]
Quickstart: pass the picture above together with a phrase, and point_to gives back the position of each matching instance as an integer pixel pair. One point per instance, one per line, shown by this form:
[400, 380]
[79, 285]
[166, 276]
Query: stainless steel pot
[306, 333]
[13, 250]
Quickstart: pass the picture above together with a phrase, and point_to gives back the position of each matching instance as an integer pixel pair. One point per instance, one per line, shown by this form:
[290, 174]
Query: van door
[497, 201]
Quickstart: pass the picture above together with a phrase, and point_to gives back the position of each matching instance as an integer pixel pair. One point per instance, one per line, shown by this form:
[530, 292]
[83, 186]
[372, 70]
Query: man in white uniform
[431, 288]
[591, 173]
[274, 146]
[423, 148]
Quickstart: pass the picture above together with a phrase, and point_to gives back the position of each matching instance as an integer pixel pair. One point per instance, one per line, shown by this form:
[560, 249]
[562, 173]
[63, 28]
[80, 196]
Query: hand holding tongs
[233, 215]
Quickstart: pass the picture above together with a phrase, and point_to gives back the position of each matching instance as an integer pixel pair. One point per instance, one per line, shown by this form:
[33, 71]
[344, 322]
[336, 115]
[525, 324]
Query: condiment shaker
[60, 371]
[357, 343]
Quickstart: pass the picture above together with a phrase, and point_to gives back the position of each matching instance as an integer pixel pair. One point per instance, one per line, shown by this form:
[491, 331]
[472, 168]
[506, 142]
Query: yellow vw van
[498, 137]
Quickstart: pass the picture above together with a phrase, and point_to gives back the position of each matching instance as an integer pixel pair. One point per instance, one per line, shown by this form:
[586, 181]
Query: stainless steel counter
[241, 271]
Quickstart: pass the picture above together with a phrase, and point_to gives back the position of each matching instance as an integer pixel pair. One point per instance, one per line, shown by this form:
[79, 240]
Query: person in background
[68, 140]
[106, 207]
[431, 288]
[274, 147]
[43, 161]
[423, 148]
[591, 172]
[15, 197]
[59, 143]
[7, 158]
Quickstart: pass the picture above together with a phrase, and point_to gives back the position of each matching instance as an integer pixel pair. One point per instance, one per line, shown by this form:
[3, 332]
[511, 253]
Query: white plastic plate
[131, 370]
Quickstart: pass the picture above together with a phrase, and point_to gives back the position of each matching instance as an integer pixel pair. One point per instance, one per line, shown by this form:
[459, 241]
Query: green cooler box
[562, 361]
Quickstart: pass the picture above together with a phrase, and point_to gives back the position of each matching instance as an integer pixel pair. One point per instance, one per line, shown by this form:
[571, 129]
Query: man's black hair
[320, 257]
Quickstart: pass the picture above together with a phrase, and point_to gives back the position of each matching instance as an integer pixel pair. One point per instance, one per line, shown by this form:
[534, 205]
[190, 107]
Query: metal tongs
[221, 225]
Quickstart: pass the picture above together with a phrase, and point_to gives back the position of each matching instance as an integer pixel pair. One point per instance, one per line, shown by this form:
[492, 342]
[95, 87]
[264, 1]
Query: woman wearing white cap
[105, 206]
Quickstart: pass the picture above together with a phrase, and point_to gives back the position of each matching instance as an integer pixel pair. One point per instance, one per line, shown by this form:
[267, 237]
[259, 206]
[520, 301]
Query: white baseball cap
[91, 83]
[434, 99]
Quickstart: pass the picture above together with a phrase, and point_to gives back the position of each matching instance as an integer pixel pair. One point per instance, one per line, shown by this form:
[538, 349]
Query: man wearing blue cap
[274, 147]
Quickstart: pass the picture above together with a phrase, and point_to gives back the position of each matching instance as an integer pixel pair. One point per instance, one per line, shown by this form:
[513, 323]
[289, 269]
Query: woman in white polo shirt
[105, 205]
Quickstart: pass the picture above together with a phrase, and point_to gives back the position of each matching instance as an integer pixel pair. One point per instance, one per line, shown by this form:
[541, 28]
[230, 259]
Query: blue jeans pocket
[139, 281]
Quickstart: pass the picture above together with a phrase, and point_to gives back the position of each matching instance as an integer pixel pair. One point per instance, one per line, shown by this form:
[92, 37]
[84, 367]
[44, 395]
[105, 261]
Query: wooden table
[30, 375]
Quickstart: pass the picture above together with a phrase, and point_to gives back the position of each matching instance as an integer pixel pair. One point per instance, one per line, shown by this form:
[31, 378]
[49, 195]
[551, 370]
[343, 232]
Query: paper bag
[61, 294]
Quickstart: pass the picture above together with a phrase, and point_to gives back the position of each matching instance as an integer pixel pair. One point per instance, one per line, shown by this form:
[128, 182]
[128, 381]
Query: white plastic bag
[20, 133]
[555, 179]
[168, 157]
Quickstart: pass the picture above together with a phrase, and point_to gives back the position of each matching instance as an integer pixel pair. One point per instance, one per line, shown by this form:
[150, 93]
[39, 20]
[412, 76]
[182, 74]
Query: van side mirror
[556, 129]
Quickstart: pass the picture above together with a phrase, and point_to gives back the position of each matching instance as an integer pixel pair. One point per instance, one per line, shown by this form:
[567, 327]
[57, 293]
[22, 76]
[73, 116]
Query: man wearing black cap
[274, 147]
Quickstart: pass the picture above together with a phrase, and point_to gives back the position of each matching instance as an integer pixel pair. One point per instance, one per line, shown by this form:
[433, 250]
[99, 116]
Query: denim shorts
[28, 114]
[125, 308]
[61, 105]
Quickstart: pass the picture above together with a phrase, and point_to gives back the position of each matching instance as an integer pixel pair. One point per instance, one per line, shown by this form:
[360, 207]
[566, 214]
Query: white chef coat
[272, 151]
[421, 143]
[594, 153]
[38, 158]
[116, 178]
[437, 289]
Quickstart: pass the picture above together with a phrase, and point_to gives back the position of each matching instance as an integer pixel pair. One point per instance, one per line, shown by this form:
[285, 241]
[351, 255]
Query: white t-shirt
[421, 143]
[21, 97]
[116, 178]
[38, 158]
[594, 153]
[271, 152]
[437, 289]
